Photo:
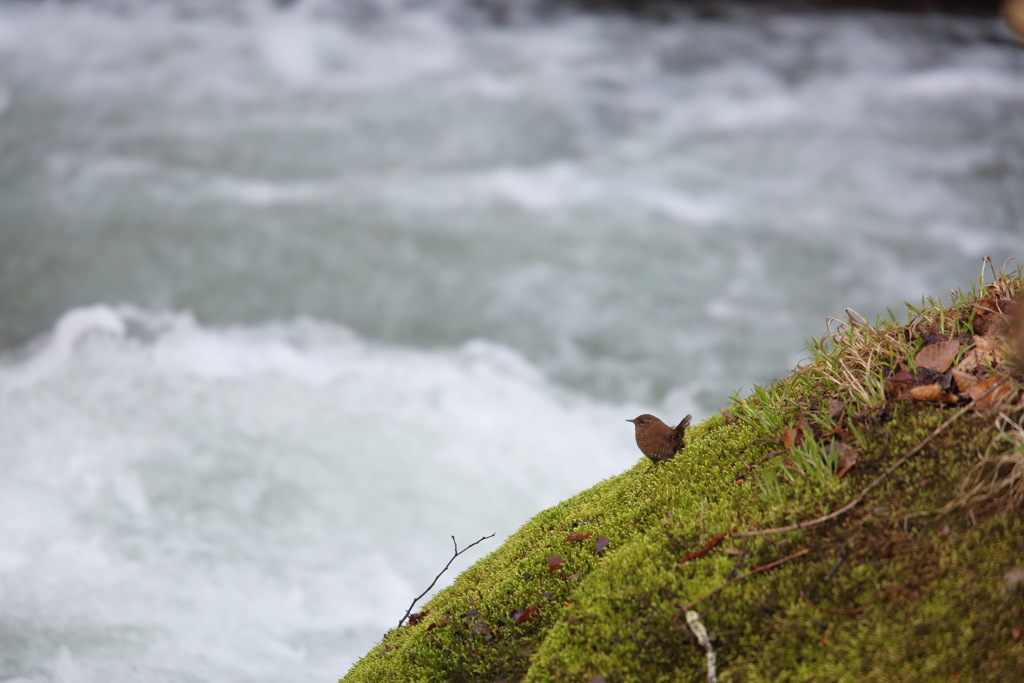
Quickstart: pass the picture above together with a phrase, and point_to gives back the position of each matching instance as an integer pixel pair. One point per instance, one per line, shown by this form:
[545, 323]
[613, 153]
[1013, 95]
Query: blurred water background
[289, 295]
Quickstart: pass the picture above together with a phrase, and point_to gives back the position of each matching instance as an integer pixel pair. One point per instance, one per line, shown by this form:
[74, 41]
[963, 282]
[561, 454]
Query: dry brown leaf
[970, 362]
[790, 438]
[964, 380]
[1016, 336]
[836, 408]
[848, 457]
[990, 319]
[938, 356]
[525, 614]
[931, 393]
[992, 350]
[896, 384]
[835, 431]
[995, 398]
[987, 352]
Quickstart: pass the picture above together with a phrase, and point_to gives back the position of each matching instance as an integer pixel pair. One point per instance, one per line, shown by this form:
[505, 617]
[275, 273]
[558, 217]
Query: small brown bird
[657, 440]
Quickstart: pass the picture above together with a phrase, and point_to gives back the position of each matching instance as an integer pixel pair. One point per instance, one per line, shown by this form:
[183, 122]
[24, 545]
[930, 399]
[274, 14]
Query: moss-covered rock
[913, 582]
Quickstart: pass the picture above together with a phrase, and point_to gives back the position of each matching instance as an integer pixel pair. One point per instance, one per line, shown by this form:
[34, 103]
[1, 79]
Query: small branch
[432, 583]
[739, 559]
[755, 570]
[707, 548]
[843, 552]
[878, 480]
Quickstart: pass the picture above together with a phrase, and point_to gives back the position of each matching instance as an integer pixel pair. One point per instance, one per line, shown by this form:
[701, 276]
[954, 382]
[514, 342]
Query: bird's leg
[652, 466]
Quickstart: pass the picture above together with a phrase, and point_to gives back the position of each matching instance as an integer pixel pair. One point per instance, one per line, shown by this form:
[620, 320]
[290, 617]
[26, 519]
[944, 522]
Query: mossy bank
[905, 478]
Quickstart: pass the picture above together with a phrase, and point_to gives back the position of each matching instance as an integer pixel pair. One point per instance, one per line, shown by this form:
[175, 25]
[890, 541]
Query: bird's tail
[680, 432]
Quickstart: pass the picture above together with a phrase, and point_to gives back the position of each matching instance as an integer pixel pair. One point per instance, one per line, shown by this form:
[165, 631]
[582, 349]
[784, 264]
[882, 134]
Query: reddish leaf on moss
[417, 618]
[601, 544]
[521, 615]
[835, 431]
[479, 628]
[790, 438]
[938, 356]
[715, 540]
[573, 577]
[576, 537]
[554, 563]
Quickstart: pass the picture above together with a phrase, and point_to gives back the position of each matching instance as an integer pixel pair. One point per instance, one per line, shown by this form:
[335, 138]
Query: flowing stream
[290, 295]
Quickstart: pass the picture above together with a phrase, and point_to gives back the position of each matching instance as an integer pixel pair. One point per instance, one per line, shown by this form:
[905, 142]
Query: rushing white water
[257, 502]
[288, 296]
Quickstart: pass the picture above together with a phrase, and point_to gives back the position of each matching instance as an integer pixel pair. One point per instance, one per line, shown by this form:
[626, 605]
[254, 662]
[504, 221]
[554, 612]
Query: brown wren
[657, 440]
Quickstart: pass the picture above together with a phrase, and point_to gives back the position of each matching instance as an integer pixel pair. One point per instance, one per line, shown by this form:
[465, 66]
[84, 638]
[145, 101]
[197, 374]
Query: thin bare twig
[878, 480]
[739, 559]
[755, 570]
[843, 552]
[432, 583]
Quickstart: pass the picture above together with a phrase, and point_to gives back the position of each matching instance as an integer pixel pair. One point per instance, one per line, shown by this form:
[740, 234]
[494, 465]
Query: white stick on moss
[695, 624]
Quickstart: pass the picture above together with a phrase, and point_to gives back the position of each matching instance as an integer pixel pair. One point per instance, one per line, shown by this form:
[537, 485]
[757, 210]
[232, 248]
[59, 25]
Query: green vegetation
[918, 424]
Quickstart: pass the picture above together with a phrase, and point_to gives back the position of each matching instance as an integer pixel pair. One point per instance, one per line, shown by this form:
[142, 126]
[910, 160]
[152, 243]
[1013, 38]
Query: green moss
[888, 591]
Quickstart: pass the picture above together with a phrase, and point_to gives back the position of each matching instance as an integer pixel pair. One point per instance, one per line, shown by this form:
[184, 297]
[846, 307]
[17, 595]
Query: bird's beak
[633, 420]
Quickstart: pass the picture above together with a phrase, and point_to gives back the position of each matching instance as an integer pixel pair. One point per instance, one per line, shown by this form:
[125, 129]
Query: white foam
[290, 44]
[72, 328]
[68, 670]
[242, 493]
[957, 82]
